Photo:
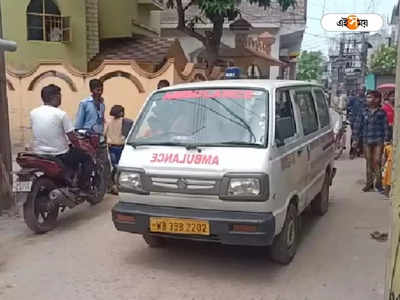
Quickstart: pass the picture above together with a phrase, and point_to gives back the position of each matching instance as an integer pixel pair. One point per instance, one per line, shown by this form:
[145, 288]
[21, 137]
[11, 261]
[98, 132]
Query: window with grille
[45, 22]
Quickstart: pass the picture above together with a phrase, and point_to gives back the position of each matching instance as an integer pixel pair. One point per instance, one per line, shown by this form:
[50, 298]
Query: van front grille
[183, 185]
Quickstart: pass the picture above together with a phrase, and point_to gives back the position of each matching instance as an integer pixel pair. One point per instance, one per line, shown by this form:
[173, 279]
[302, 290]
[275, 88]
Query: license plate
[22, 186]
[179, 226]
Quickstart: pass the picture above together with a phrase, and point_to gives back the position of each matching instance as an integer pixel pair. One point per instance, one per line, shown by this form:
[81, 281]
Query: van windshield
[209, 117]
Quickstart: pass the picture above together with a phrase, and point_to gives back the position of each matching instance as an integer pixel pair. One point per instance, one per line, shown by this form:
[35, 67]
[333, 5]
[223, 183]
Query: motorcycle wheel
[103, 158]
[101, 189]
[40, 213]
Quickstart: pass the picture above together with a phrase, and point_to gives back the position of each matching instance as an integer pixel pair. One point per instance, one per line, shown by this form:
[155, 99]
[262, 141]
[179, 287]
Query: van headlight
[130, 181]
[245, 187]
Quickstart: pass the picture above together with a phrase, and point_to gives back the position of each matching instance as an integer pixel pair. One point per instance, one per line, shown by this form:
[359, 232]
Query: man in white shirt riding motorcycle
[52, 132]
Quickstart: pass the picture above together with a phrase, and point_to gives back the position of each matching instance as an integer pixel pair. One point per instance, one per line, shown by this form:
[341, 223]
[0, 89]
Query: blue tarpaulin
[370, 82]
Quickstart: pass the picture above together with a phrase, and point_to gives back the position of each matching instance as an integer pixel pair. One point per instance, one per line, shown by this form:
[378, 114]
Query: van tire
[154, 241]
[284, 247]
[320, 204]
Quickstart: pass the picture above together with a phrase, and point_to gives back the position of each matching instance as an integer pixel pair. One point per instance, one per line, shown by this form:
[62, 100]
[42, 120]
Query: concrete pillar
[292, 70]
[92, 24]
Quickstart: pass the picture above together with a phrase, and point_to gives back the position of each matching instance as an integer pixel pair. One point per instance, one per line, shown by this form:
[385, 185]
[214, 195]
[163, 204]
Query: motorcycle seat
[49, 157]
[34, 154]
[68, 172]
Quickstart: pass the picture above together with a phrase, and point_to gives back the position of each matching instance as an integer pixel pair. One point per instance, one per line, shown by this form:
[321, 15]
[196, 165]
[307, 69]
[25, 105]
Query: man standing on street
[116, 132]
[339, 102]
[91, 116]
[355, 107]
[162, 84]
[372, 128]
[91, 110]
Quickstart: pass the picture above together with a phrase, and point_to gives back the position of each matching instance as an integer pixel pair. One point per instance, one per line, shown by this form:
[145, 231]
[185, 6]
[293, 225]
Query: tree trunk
[213, 42]
[5, 144]
[5, 186]
[211, 56]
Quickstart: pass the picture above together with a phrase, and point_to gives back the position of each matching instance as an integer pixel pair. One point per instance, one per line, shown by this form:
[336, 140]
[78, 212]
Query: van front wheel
[284, 246]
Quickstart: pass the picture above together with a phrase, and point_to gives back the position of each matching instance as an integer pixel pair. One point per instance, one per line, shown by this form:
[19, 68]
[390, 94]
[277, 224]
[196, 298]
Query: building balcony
[143, 29]
[152, 4]
[352, 72]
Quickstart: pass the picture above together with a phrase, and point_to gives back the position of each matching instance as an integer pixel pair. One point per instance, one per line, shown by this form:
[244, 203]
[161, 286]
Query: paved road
[86, 258]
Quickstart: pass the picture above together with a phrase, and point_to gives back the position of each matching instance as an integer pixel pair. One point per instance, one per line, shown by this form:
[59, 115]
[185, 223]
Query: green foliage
[218, 8]
[383, 62]
[285, 4]
[310, 66]
[227, 8]
[217, 11]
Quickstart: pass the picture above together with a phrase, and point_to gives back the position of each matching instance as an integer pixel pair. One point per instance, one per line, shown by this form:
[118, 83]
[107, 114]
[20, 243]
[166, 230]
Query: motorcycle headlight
[244, 187]
[130, 181]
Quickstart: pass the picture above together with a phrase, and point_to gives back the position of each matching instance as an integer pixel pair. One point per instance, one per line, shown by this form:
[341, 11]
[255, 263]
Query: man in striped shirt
[371, 127]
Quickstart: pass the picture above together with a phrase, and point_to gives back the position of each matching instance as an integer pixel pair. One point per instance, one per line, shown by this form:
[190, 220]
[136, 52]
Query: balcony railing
[152, 4]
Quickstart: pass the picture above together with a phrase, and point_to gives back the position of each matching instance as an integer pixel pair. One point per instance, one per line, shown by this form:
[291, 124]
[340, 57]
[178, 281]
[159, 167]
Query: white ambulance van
[234, 162]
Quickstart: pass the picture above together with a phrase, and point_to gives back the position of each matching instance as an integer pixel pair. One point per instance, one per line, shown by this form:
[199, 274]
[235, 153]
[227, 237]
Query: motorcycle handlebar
[87, 132]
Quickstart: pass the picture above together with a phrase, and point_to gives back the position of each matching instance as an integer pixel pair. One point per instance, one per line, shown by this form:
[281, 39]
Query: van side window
[285, 124]
[322, 108]
[305, 103]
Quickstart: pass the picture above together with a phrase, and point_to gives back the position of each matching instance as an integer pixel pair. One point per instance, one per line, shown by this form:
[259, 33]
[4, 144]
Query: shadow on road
[308, 223]
[214, 260]
[18, 234]
[79, 216]
[67, 221]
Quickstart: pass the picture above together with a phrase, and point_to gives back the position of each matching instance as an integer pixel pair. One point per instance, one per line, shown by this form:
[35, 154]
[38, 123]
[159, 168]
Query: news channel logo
[352, 22]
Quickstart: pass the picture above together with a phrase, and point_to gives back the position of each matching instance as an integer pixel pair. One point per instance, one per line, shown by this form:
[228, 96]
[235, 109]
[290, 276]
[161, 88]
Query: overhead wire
[310, 18]
[309, 43]
[322, 36]
[323, 14]
[371, 6]
[315, 47]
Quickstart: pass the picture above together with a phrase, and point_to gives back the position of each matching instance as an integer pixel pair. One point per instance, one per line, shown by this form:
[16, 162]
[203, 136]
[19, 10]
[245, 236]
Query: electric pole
[339, 67]
[364, 56]
[5, 142]
[393, 271]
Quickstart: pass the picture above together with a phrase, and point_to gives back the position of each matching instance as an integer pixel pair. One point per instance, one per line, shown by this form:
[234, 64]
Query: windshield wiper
[192, 146]
[131, 144]
[238, 143]
[134, 145]
[223, 144]
[196, 146]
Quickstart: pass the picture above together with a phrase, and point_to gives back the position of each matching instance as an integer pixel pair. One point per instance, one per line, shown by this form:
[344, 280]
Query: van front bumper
[136, 220]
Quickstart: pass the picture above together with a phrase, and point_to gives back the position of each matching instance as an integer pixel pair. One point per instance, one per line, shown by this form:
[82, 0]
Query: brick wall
[92, 24]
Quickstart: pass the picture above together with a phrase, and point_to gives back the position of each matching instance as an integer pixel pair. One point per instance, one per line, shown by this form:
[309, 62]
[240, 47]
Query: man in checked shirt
[372, 128]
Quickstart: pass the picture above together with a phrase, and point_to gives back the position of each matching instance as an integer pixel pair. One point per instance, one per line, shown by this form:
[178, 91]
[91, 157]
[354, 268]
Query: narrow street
[86, 258]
